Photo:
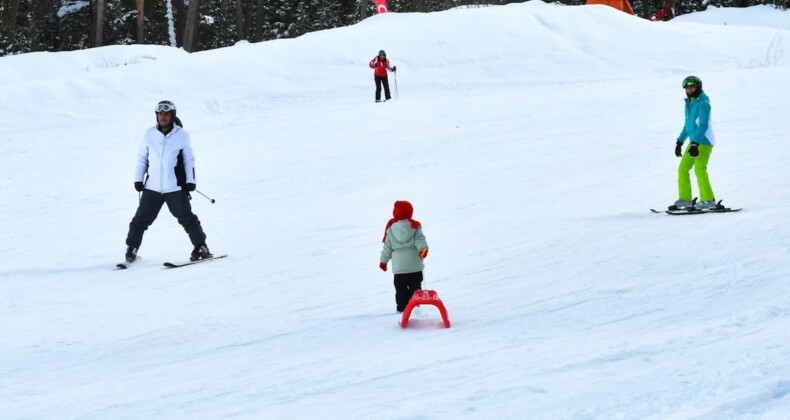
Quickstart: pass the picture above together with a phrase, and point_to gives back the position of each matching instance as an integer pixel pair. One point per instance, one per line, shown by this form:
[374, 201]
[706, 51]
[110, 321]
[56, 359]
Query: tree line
[196, 25]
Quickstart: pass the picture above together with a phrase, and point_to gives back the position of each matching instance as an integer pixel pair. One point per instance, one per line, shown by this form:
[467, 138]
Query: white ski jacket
[168, 159]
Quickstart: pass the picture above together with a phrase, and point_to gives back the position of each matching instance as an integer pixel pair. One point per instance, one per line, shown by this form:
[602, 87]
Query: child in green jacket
[405, 244]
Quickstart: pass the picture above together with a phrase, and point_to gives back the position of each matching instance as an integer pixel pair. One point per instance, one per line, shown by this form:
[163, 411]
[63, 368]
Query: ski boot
[131, 254]
[707, 205]
[200, 252]
[681, 205]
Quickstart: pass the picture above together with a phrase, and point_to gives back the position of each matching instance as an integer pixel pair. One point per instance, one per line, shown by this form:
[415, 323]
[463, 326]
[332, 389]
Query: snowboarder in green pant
[699, 130]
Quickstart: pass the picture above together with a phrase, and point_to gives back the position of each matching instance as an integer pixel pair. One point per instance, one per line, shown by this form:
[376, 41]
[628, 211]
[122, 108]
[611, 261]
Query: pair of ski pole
[140, 197]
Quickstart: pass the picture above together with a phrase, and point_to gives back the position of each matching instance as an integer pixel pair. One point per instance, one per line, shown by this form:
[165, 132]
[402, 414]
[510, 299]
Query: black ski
[186, 263]
[701, 211]
[126, 264]
[693, 210]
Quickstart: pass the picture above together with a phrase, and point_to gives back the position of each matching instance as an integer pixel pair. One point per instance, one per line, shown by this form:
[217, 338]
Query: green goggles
[687, 83]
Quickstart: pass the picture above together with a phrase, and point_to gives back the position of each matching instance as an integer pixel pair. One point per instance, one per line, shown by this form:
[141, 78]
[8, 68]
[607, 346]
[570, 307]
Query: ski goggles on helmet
[689, 82]
[165, 107]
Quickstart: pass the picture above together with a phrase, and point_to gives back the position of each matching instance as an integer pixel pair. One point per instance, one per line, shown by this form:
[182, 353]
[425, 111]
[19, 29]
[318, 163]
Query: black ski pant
[405, 285]
[382, 80]
[178, 204]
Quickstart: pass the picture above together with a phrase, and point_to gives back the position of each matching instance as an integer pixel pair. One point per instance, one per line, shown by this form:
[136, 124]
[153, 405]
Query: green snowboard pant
[700, 165]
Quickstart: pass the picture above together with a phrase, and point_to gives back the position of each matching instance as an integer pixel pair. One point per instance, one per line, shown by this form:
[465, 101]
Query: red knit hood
[403, 210]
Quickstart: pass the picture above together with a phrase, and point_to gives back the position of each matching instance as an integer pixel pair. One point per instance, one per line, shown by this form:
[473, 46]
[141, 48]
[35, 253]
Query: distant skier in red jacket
[381, 65]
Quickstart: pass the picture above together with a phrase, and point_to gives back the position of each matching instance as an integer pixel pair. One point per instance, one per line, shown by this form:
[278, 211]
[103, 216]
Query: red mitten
[423, 253]
[383, 266]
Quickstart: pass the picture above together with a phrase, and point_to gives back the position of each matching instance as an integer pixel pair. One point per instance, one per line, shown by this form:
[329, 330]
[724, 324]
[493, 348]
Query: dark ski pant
[178, 204]
[405, 285]
[382, 80]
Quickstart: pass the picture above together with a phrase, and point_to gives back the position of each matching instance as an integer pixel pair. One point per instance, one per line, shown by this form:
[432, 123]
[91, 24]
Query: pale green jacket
[402, 245]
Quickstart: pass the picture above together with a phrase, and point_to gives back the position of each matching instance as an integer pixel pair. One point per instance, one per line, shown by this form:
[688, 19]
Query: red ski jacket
[381, 67]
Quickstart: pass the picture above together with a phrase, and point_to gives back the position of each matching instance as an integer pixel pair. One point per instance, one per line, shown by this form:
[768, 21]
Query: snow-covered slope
[531, 139]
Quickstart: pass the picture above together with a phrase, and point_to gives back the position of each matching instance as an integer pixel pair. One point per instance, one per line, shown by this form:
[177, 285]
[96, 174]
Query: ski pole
[204, 195]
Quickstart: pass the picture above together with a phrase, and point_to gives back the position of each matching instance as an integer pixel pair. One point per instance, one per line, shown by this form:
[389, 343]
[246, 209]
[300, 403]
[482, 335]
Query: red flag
[381, 6]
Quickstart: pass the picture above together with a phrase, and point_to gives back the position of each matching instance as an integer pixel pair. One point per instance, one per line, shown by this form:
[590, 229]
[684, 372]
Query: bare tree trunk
[191, 27]
[239, 21]
[260, 17]
[223, 5]
[363, 9]
[99, 22]
[140, 21]
[249, 12]
[13, 13]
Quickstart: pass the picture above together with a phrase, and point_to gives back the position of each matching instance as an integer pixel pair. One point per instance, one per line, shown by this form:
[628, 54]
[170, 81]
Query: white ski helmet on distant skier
[166, 106]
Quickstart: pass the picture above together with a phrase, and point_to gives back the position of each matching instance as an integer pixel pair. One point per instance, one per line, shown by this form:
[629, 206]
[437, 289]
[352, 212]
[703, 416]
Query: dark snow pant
[382, 81]
[405, 285]
[178, 204]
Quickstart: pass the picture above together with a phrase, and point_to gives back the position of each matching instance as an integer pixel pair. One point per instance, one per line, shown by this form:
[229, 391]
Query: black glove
[679, 149]
[189, 187]
[694, 150]
[139, 186]
[394, 68]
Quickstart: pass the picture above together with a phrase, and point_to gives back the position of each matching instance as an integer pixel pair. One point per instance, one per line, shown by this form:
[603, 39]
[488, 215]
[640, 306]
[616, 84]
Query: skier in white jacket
[166, 159]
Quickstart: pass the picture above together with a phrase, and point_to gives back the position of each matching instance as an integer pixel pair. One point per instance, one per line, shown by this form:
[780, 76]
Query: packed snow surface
[532, 139]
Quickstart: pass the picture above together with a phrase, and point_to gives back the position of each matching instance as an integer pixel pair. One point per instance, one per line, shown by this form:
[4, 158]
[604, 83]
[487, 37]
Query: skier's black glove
[394, 68]
[190, 187]
[679, 149]
[139, 186]
[694, 150]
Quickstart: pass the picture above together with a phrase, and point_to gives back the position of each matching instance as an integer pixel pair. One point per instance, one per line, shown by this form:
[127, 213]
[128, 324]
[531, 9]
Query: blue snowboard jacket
[698, 127]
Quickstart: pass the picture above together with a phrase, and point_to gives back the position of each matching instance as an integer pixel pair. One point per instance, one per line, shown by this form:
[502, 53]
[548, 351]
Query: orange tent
[622, 5]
